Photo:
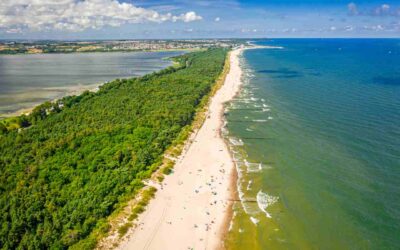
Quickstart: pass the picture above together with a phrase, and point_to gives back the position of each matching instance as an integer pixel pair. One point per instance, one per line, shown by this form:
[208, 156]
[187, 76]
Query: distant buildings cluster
[35, 47]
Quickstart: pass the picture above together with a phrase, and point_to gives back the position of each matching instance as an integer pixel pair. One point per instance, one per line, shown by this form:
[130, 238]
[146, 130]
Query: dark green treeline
[72, 162]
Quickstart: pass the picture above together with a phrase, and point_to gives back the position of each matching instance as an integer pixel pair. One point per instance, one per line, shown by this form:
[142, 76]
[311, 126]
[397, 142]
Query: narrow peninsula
[69, 167]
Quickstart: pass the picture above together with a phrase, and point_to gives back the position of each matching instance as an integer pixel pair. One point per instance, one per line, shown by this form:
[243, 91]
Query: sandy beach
[192, 207]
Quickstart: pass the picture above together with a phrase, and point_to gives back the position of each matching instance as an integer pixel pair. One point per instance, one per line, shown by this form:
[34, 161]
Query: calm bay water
[28, 80]
[316, 137]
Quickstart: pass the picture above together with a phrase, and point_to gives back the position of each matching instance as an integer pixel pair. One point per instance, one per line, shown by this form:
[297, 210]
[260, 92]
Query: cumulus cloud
[352, 8]
[188, 17]
[382, 10]
[78, 15]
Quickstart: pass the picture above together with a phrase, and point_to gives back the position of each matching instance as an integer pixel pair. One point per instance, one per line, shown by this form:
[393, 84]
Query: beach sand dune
[191, 208]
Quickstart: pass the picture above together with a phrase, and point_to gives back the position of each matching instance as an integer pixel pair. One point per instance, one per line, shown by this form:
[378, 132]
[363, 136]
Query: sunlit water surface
[28, 80]
[315, 134]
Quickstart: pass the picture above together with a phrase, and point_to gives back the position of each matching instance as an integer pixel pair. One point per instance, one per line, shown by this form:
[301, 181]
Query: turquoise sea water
[28, 80]
[316, 138]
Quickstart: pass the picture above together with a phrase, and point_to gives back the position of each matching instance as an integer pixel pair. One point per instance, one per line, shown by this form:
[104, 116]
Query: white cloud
[188, 17]
[352, 8]
[378, 27]
[78, 15]
[385, 6]
[13, 31]
[217, 19]
[382, 10]
[243, 30]
[349, 28]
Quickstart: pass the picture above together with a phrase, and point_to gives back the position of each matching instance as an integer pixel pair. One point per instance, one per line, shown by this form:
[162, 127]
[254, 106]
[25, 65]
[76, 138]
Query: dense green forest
[70, 163]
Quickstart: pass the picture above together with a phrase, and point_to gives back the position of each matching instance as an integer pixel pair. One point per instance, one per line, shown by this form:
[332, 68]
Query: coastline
[52, 94]
[234, 193]
[195, 201]
[66, 91]
[108, 51]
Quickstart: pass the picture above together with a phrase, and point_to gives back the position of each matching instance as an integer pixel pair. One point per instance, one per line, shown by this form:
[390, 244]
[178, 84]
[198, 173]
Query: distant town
[38, 47]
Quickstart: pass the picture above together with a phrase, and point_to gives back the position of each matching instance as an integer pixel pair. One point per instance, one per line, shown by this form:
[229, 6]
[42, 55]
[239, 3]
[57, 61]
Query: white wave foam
[236, 142]
[274, 47]
[254, 220]
[249, 185]
[247, 209]
[264, 201]
[253, 167]
[238, 170]
[260, 120]
[230, 226]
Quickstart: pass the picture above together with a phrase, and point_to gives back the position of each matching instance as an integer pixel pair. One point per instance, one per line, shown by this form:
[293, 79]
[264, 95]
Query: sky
[178, 19]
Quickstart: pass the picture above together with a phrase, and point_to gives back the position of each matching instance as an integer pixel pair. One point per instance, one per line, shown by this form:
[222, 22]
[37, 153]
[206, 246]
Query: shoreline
[108, 51]
[234, 195]
[78, 89]
[195, 202]
[68, 91]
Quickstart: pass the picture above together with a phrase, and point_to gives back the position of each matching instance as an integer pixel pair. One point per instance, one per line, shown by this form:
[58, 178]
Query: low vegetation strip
[70, 164]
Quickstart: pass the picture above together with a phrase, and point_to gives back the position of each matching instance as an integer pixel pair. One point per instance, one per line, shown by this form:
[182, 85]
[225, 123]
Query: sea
[315, 136]
[29, 80]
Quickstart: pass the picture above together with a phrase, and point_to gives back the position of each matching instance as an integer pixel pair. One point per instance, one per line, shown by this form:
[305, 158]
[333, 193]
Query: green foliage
[74, 161]
[14, 123]
[124, 229]
[168, 168]
[3, 129]
[160, 178]
[140, 207]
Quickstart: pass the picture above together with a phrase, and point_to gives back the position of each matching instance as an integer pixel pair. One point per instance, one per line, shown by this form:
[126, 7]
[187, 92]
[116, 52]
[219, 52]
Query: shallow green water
[316, 137]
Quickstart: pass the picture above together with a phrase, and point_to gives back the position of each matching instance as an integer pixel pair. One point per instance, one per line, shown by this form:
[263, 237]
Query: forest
[69, 164]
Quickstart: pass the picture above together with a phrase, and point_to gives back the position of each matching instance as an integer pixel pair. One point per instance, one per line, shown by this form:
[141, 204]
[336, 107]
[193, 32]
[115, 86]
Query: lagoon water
[28, 80]
[316, 138]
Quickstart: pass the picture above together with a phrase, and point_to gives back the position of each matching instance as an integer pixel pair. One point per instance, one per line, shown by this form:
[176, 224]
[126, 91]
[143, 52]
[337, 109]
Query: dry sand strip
[191, 208]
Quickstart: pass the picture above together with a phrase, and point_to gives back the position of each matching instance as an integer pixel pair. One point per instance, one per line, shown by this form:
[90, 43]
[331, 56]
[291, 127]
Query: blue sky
[128, 19]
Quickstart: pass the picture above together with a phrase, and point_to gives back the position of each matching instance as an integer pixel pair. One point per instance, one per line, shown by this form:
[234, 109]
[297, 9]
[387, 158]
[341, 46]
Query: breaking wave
[264, 201]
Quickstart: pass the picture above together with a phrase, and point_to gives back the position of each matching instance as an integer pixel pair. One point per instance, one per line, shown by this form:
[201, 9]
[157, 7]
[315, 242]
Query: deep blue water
[329, 113]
